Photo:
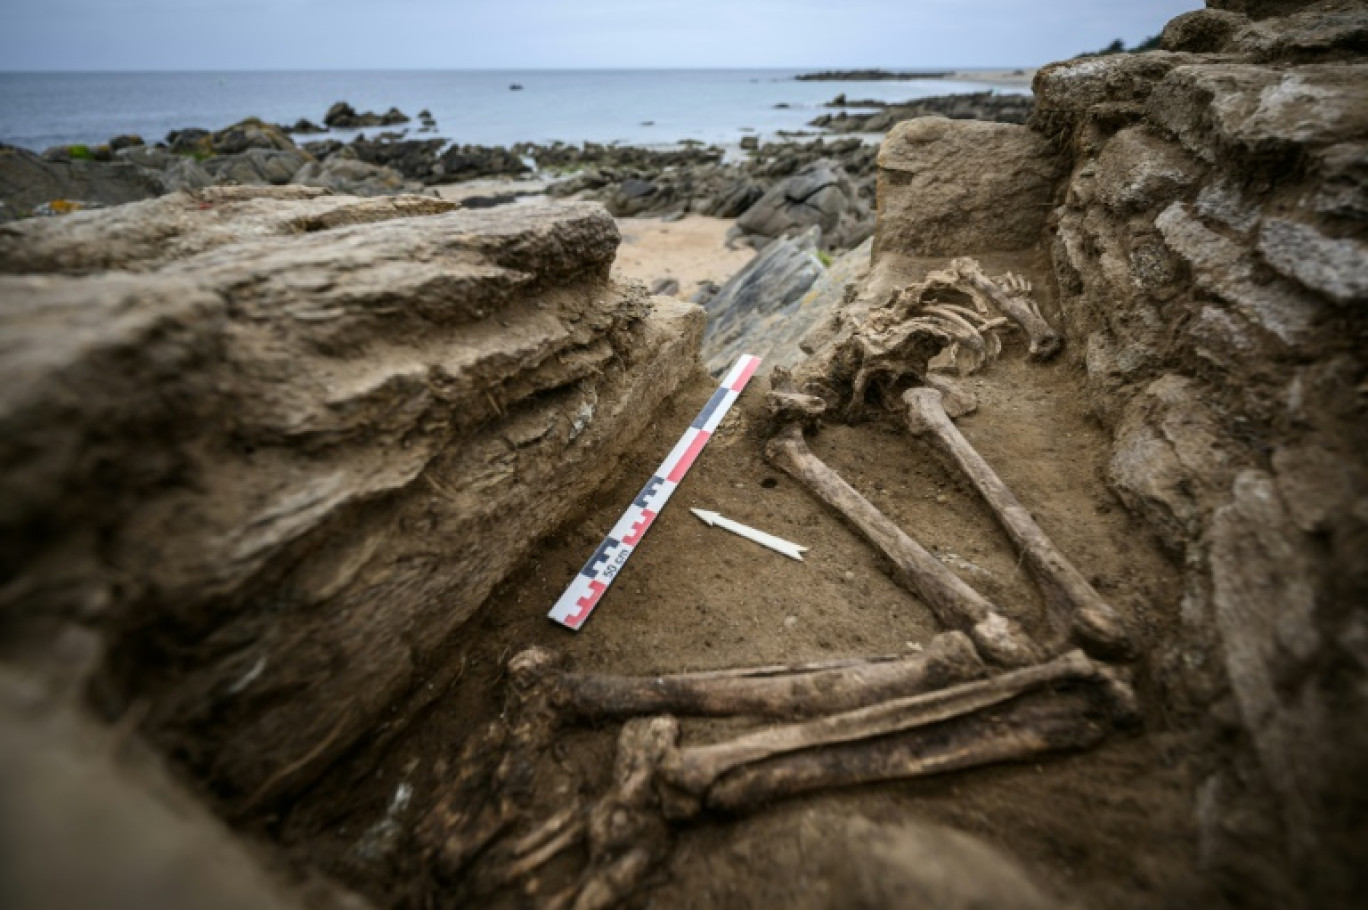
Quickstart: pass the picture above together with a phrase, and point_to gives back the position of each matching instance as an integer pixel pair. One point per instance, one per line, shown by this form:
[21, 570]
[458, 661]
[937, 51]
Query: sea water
[635, 107]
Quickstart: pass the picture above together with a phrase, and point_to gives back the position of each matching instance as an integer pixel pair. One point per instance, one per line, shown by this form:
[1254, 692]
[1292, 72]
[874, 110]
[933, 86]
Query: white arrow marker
[777, 544]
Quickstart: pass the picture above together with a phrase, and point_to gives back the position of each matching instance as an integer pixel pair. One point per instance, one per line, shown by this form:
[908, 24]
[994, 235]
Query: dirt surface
[1109, 828]
[691, 250]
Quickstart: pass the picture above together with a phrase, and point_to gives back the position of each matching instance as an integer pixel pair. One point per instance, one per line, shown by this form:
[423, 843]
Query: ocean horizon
[628, 106]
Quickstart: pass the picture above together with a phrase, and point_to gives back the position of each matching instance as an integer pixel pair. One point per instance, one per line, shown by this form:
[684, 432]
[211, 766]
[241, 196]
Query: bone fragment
[1019, 730]
[1075, 608]
[695, 769]
[780, 692]
[627, 831]
[999, 639]
[1014, 300]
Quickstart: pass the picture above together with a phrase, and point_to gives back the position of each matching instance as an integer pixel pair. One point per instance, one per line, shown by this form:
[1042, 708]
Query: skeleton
[998, 638]
[1074, 606]
[949, 311]
[849, 721]
[1010, 293]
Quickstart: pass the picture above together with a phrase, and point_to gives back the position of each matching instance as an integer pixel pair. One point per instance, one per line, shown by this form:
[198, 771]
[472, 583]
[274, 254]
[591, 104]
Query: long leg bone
[694, 770]
[1021, 729]
[1014, 301]
[1074, 606]
[798, 691]
[955, 604]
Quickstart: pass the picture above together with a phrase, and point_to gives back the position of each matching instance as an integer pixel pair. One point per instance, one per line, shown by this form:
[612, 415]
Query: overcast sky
[518, 34]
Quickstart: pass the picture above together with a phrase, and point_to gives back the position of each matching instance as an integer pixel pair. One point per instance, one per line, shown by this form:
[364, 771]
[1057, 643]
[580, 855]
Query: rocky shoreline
[774, 189]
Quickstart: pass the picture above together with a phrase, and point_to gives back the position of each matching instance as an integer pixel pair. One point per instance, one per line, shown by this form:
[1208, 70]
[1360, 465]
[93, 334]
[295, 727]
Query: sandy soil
[690, 250]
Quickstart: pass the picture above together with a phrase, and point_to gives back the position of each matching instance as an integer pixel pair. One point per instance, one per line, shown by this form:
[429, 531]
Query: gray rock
[667, 287]
[348, 176]
[257, 165]
[778, 276]
[1223, 267]
[28, 181]
[1138, 171]
[1336, 268]
[819, 194]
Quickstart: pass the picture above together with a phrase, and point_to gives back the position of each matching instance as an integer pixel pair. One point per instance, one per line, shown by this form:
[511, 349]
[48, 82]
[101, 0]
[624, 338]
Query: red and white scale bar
[598, 573]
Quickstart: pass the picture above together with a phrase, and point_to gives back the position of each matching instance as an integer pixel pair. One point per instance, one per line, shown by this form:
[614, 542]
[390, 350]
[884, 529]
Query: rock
[706, 291]
[466, 162]
[1336, 268]
[343, 116]
[146, 236]
[370, 424]
[28, 181]
[1202, 31]
[1221, 266]
[189, 141]
[125, 141]
[341, 113]
[665, 287]
[1170, 460]
[778, 276]
[304, 125]
[633, 197]
[750, 143]
[1138, 170]
[256, 165]
[734, 199]
[346, 175]
[787, 335]
[950, 186]
[415, 159]
[249, 134]
[819, 194]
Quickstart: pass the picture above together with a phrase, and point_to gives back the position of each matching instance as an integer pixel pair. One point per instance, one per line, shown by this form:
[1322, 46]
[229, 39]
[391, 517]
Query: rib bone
[1015, 301]
[1074, 607]
[955, 604]
[694, 770]
[785, 692]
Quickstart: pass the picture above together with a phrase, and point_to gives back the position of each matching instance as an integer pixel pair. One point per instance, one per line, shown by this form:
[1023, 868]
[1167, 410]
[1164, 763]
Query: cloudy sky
[517, 34]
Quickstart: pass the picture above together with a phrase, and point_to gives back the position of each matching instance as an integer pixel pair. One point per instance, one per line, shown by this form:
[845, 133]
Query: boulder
[256, 165]
[343, 173]
[743, 310]
[466, 162]
[784, 336]
[146, 236]
[249, 134]
[284, 468]
[819, 194]
[950, 186]
[28, 181]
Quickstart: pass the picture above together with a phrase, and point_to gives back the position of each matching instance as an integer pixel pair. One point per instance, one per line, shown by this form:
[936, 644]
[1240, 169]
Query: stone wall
[271, 448]
[1210, 249]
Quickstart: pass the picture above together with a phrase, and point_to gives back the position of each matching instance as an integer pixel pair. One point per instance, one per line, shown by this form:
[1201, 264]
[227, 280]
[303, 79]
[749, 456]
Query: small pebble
[849, 576]
[914, 646]
[790, 622]
[941, 499]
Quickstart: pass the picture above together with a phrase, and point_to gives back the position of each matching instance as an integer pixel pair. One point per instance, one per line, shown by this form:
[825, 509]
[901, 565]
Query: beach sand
[690, 250]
